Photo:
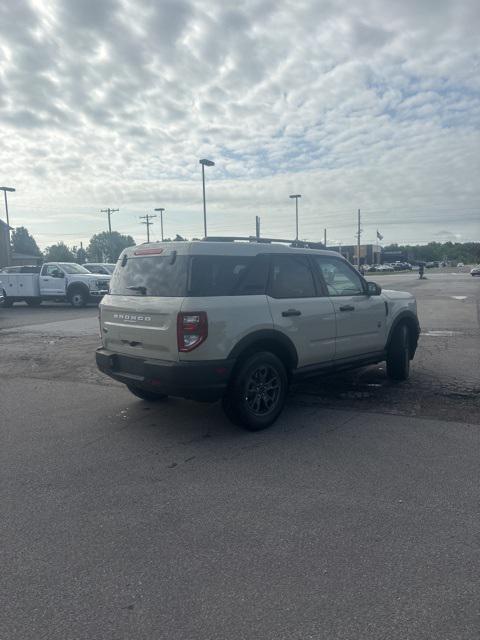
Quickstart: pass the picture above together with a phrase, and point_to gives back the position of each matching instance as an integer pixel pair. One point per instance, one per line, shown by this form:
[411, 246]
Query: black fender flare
[267, 335]
[411, 320]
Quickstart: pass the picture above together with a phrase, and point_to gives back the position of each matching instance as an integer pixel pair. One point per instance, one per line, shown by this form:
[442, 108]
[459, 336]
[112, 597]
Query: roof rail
[304, 244]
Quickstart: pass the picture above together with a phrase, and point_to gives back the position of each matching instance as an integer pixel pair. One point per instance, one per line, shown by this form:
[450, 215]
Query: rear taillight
[192, 330]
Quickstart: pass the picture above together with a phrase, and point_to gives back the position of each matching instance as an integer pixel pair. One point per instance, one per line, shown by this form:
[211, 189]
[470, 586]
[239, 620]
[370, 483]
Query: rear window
[162, 276]
[194, 276]
[227, 275]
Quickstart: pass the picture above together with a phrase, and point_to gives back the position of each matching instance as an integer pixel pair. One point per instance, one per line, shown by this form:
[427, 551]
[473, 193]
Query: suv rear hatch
[139, 316]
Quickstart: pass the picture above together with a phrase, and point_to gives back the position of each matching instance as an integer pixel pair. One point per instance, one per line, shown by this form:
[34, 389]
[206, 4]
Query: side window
[340, 279]
[291, 277]
[227, 275]
[53, 271]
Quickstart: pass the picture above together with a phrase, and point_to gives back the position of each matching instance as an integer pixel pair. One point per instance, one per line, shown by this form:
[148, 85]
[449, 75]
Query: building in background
[4, 244]
[394, 256]
[19, 259]
[369, 253]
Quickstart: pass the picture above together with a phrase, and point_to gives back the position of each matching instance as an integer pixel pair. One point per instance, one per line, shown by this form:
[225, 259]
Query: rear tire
[257, 392]
[34, 302]
[145, 394]
[398, 355]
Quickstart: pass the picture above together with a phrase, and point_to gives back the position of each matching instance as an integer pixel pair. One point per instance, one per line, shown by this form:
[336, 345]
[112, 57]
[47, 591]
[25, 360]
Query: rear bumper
[204, 381]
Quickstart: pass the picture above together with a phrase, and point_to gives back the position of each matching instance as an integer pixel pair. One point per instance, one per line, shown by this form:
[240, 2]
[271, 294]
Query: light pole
[161, 209]
[296, 196]
[205, 163]
[9, 189]
[5, 189]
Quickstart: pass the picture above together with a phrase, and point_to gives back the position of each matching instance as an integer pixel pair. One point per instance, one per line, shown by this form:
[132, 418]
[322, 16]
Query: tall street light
[9, 189]
[205, 163]
[5, 189]
[161, 209]
[296, 196]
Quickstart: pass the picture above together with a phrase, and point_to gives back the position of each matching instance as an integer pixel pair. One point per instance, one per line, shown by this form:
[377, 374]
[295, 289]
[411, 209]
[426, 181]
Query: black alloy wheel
[257, 392]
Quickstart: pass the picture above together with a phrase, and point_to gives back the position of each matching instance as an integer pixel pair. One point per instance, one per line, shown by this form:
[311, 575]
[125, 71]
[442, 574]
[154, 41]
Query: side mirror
[373, 289]
[59, 274]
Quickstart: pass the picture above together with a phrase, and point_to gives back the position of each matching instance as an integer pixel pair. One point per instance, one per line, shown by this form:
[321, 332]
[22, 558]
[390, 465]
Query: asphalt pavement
[355, 516]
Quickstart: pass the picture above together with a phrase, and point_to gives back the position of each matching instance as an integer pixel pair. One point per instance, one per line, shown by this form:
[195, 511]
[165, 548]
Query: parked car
[460, 265]
[105, 268]
[475, 271]
[239, 321]
[57, 281]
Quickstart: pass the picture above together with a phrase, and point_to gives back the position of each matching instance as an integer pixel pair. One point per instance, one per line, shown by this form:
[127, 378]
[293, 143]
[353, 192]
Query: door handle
[291, 312]
[347, 307]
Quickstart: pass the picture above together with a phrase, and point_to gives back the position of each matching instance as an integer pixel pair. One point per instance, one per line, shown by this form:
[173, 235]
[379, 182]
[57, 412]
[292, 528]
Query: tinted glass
[227, 275]
[291, 277]
[164, 276]
[341, 280]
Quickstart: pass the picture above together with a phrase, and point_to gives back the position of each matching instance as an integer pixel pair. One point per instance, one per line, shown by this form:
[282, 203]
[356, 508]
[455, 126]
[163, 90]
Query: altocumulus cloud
[369, 104]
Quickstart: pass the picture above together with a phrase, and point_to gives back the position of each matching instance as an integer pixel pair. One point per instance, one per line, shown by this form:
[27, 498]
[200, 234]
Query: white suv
[239, 321]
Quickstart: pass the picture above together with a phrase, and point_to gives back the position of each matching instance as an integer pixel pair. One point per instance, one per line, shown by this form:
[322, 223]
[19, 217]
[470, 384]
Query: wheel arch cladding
[267, 340]
[411, 321]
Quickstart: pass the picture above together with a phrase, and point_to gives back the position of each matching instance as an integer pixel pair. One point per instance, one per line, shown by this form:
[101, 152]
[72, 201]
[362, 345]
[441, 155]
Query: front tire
[78, 298]
[398, 355]
[144, 394]
[257, 392]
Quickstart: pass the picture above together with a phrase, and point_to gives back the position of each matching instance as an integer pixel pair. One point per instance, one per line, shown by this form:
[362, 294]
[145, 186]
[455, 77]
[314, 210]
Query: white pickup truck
[57, 281]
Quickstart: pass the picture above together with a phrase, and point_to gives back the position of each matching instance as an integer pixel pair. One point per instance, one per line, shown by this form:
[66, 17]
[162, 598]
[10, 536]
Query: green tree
[80, 254]
[59, 253]
[108, 246]
[467, 252]
[23, 242]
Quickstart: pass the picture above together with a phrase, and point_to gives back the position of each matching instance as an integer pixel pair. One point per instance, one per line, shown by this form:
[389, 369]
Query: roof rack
[303, 244]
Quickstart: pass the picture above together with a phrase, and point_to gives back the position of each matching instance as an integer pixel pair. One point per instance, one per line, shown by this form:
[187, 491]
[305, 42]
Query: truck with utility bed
[240, 321]
[54, 281]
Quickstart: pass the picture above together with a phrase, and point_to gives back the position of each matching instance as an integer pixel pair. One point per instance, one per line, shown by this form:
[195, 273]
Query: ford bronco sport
[238, 321]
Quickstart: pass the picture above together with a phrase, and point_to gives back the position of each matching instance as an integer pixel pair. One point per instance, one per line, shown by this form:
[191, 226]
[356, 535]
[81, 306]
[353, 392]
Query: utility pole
[147, 219]
[109, 212]
[161, 209]
[257, 227]
[325, 238]
[358, 241]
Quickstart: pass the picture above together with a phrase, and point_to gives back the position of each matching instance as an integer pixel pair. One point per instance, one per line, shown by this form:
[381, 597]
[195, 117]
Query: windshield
[71, 267]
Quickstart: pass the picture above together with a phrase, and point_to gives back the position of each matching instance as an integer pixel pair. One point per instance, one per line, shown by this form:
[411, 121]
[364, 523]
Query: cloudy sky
[371, 105]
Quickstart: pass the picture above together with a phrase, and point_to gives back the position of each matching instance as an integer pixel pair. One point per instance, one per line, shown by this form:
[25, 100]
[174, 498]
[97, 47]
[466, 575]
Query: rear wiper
[142, 290]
